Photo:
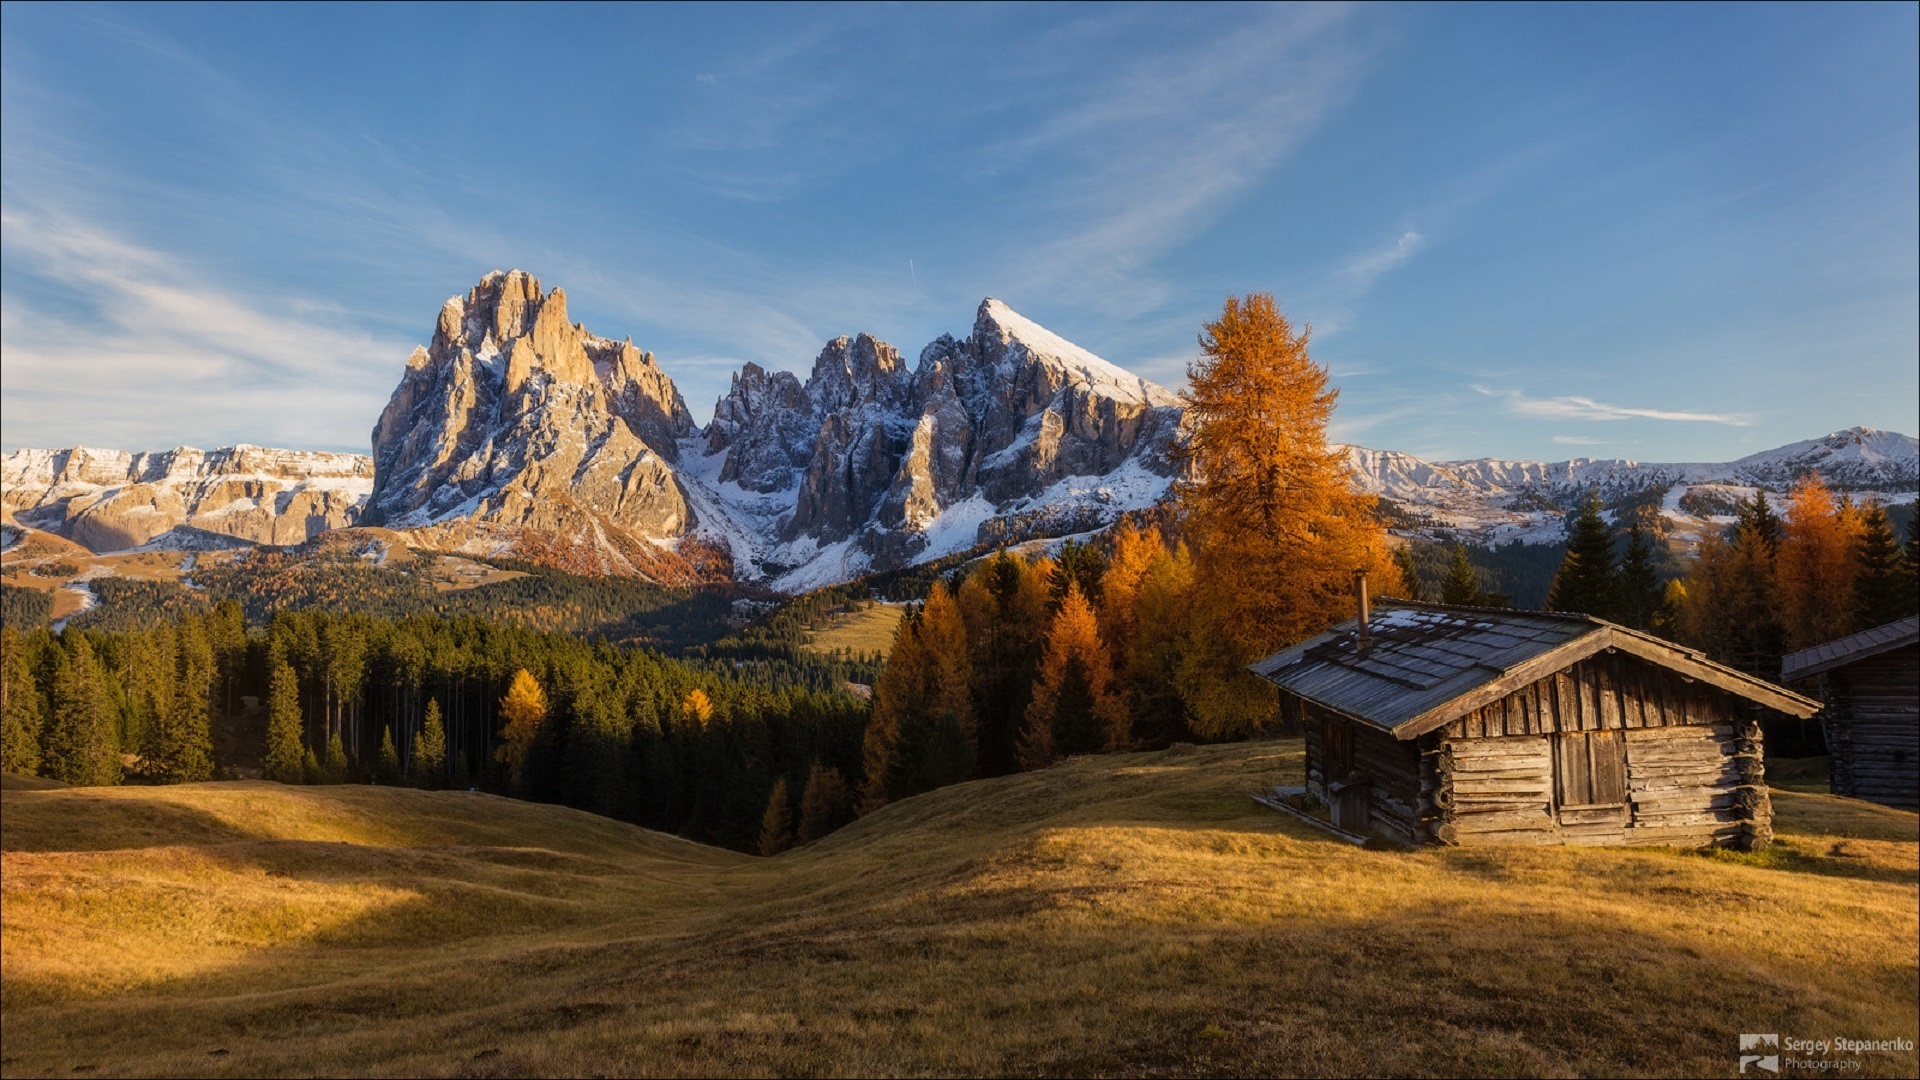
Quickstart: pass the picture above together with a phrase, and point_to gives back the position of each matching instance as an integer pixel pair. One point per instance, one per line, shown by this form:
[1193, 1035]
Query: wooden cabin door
[1589, 776]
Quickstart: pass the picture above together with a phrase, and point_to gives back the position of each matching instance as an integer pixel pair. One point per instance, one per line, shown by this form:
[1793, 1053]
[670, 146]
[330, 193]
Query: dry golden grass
[1131, 915]
[864, 632]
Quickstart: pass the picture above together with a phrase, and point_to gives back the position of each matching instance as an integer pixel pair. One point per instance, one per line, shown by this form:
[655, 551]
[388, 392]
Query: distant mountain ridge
[515, 431]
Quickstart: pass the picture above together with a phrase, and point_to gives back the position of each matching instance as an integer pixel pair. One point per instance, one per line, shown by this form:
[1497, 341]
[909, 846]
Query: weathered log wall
[1391, 767]
[1689, 784]
[1872, 724]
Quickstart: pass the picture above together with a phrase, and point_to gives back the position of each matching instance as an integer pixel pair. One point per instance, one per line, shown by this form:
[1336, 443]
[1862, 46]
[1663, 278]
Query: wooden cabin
[1871, 684]
[1434, 724]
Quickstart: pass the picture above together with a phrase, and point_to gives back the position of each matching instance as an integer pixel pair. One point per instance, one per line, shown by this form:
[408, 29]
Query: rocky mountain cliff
[1008, 433]
[111, 500]
[516, 429]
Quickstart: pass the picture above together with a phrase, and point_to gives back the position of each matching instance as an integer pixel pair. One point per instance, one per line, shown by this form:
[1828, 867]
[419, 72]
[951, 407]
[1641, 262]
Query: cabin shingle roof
[1430, 664]
[1842, 651]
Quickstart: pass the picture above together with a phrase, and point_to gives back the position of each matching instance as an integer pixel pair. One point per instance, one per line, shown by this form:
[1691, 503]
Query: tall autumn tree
[523, 713]
[1727, 606]
[922, 734]
[1277, 527]
[1075, 708]
[1817, 567]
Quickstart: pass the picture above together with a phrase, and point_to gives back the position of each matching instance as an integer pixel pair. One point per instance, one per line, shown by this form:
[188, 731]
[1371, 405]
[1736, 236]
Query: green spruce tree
[1883, 591]
[1461, 586]
[1641, 591]
[1587, 581]
[286, 730]
[429, 766]
[80, 746]
[23, 711]
[776, 825]
[388, 769]
[1410, 581]
[337, 765]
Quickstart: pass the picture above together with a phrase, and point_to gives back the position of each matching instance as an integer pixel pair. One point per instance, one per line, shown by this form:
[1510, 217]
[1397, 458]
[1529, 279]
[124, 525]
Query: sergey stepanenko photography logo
[1763, 1053]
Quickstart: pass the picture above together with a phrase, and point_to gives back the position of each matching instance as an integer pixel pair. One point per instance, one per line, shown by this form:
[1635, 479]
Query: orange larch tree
[1076, 708]
[1277, 527]
[1817, 566]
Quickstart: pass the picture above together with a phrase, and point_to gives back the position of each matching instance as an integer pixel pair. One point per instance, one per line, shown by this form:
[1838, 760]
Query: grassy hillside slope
[1133, 914]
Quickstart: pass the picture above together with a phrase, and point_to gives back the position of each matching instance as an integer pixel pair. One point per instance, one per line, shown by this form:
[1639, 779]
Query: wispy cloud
[1149, 154]
[1578, 440]
[1364, 270]
[173, 356]
[1333, 303]
[1585, 408]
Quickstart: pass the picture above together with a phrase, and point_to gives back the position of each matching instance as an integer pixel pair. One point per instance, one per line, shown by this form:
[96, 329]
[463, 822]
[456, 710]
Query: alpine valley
[517, 433]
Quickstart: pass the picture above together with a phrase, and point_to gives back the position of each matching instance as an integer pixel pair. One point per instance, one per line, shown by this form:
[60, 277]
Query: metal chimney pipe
[1360, 594]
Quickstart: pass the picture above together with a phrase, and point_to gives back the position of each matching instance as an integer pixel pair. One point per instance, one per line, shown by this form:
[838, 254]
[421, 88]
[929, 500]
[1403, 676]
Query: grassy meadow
[863, 632]
[1133, 914]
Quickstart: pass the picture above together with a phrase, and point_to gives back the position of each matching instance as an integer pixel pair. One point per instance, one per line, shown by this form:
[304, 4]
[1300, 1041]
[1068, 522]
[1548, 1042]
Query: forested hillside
[684, 746]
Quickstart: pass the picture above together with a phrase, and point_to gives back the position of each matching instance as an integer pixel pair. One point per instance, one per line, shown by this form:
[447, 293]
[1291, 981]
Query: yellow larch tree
[1816, 568]
[523, 712]
[1276, 525]
[1075, 707]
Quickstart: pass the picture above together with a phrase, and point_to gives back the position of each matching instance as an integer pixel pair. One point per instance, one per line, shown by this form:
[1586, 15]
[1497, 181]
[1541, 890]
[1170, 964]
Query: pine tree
[179, 744]
[337, 765]
[429, 767]
[523, 712]
[1640, 588]
[776, 825]
[1756, 520]
[1884, 593]
[23, 711]
[1276, 525]
[1005, 605]
[286, 743]
[1587, 581]
[1461, 586]
[80, 748]
[1074, 703]
[388, 771]
[1411, 587]
[825, 804]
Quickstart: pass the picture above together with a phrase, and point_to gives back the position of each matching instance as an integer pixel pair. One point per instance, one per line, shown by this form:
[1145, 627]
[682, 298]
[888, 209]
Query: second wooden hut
[1428, 723]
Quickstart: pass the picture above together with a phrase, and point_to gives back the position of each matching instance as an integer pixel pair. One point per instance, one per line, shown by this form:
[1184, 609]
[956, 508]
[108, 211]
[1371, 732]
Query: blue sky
[1664, 233]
